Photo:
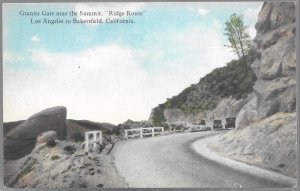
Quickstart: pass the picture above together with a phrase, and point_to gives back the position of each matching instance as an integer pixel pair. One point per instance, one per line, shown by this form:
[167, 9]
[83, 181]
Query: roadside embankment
[202, 147]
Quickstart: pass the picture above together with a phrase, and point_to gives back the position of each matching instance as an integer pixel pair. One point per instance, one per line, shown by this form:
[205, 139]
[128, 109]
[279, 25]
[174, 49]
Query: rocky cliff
[275, 88]
[266, 133]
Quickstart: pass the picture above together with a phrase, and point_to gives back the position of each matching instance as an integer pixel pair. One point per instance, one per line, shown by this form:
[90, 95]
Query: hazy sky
[112, 72]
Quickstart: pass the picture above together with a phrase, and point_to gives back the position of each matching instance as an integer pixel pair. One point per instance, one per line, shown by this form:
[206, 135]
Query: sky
[112, 72]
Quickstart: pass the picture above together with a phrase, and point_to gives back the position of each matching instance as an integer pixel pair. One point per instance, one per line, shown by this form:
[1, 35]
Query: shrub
[51, 142]
[158, 115]
[55, 157]
[118, 129]
[101, 147]
[77, 137]
[70, 149]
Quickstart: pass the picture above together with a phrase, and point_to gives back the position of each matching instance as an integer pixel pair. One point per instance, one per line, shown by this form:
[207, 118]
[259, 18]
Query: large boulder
[51, 119]
[20, 140]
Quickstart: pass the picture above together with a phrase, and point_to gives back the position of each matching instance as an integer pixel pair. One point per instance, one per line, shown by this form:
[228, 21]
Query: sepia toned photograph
[149, 95]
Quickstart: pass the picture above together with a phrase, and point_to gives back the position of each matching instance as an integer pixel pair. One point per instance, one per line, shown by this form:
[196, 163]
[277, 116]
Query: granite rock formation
[21, 139]
[275, 88]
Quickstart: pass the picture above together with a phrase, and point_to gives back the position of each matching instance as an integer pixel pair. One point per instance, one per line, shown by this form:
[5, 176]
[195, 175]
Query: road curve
[170, 161]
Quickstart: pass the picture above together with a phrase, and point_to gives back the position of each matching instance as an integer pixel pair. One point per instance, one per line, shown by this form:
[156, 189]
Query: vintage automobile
[230, 122]
[217, 124]
[202, 122]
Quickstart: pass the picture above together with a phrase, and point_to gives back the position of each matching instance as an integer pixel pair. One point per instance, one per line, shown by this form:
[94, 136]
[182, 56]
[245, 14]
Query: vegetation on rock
[51, 143]
[158, 118]
[55, 157]
[70, 149]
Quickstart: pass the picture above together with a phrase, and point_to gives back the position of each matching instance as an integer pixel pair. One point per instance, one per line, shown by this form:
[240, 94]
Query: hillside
[231, 81]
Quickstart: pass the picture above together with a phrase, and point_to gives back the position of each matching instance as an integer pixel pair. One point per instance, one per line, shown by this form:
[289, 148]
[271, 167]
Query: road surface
[170, 161]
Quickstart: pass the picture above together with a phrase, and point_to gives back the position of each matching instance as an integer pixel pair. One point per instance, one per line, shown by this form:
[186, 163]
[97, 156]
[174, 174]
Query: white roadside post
[94, 141]
[126, 134]
[152, 132]
[93, 137]
[100, 137]
[86, 146]
[141, 132]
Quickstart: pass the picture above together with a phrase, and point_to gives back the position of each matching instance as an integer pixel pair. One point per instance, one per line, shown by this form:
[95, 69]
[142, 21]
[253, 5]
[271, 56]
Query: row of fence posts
[141, 132]
[93, 139]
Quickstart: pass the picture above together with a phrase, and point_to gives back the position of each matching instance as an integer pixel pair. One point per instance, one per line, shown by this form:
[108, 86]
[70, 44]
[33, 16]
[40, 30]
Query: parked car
[230, 122]
[217, 124]
[202, 122]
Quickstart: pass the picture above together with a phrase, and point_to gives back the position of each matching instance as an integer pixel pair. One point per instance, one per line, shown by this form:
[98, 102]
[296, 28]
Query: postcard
[149, 95]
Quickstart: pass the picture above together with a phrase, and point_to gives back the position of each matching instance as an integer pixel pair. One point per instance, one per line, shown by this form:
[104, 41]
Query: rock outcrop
[275, 88]
[57, 167]
[20, 140]
[178, 116]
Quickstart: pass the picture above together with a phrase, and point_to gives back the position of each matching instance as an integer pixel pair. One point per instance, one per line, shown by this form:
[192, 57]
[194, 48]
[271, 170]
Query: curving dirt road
[170, 161]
